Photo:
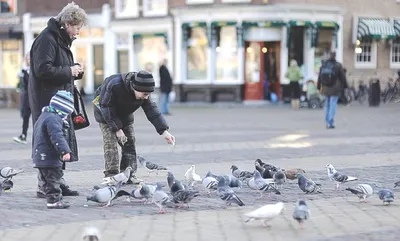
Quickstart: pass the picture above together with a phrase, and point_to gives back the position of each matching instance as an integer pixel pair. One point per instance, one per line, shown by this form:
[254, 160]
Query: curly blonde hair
[73, 15]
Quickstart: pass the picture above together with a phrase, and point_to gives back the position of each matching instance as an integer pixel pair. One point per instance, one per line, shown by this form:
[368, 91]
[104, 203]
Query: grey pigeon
[386, 196]
[174, 184]
[397, 184]
[262, 185]
[363, 191]
[231, 180]
[150, 167]
[266, 166]
[236, 172]
[227, 194]
[279, 178]
[307, 185]
[337, 176]
[210, 182]
[105, 194]
[7, 185]
[301, 212]
[184, 196]
[9, 172]
[265, 173]
[120, 177]
[160, 198]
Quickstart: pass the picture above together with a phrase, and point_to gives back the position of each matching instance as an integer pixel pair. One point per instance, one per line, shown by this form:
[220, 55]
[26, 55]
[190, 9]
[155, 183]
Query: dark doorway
[296, 50]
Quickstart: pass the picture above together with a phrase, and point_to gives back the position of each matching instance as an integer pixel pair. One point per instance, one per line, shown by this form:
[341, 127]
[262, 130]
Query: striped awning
[376, 28]
[397, 27]
[264, 24]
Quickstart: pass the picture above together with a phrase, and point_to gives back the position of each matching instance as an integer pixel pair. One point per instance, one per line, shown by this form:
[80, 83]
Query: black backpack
[328, 73]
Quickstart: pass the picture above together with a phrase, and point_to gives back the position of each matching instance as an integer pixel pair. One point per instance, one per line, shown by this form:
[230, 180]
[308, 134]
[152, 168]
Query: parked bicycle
[361, 95]
[391, 92]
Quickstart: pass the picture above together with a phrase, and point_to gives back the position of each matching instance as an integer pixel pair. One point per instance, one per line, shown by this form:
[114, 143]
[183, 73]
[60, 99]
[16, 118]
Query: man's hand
[169, 138]
[121, 138]
[66, 157]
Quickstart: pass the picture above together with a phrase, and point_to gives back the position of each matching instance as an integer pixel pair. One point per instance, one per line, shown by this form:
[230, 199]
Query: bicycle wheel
[388, 96]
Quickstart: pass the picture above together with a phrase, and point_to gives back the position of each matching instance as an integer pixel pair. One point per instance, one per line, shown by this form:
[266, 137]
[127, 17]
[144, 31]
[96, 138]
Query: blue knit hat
[63, 102]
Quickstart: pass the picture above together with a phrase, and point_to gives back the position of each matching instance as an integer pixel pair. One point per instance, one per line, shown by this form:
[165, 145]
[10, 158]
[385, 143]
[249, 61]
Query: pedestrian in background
[53, 69]
[294, 75]
[25, 109]
[165, 87]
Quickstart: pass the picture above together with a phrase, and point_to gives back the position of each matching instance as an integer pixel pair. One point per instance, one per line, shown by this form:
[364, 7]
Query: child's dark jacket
[49, 141]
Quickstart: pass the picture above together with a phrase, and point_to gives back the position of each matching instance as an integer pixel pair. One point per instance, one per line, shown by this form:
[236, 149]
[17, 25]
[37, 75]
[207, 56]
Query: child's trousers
[51, 176]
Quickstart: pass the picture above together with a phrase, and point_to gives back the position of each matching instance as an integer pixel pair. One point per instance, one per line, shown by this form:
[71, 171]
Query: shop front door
[262, 70]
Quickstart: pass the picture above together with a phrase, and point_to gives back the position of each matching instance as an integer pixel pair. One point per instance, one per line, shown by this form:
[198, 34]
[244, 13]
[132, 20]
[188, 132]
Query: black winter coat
[49, 142]
[51, 59]
[118, 102]
[340, 84]
[165, 80]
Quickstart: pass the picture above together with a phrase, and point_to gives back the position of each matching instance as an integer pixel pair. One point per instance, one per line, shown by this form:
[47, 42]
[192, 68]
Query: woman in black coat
[53, 69]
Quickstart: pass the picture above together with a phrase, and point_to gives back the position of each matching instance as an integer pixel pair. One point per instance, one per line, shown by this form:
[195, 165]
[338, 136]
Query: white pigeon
[337, 176]
[363, 191]
[265, 213]
[91, 234]
[120, 177]
[191, 176]
[9, 172]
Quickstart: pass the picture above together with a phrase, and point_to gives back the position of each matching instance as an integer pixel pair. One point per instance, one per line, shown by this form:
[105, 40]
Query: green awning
[222, 23]
[376, 28]
[397, 27]
[326, 24]
[264, 24]
[298, 23]
[146, 35]
[194, 24]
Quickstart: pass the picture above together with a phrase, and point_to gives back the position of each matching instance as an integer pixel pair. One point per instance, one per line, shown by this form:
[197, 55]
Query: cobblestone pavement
[363, 145]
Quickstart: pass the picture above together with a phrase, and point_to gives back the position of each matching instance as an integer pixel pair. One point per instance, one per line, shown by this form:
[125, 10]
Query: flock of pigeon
[266, 178]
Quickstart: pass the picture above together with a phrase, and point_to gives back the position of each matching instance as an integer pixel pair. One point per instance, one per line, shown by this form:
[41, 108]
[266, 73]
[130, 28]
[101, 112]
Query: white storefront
[202, 61]
[88, 49]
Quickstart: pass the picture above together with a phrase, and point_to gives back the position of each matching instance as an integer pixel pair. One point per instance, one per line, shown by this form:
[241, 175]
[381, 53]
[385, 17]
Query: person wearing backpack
[331, 81]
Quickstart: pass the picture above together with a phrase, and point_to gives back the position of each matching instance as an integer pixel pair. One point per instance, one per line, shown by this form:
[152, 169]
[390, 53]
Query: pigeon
[260, 184]
[9, 172]
[265, 213]
[91, 234]
[120, 177]
[301, 212]
[227, 194]
[174, 185]
[160, 198]
[337, 176]
[150, 167]
[236, 172]
[363, 191]
[397, 184]
[6, 185]
[144, 191]
[265, 173]
[291, 173]
[191, 176]
[210, 182]
[267, 166]
[386, 196]
[184, 196]
[106, 194]
[279, 178]
[307, 185]
[230, 179]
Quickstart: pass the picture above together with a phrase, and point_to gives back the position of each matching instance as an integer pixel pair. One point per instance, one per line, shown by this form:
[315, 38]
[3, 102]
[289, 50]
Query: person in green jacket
[294, 74]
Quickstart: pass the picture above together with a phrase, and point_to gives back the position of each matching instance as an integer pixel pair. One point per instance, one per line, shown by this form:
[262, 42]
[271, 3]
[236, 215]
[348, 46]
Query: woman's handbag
[79, 116]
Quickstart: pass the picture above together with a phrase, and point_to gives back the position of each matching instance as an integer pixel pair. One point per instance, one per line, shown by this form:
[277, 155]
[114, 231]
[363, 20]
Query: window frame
[117, 10]
[368, 65]
[147, 13]
[394, 65]
[12, 13]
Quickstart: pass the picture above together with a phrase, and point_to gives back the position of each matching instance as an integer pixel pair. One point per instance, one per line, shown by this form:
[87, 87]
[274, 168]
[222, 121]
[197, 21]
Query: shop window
[123, 61]
[81, 57]
[11, 62]
[365, 54]
[126, 8]
[323, 48]
[98, 53]
[8, 6]
[197, 55]
[395, 54]
[150, 50]
[227, 54]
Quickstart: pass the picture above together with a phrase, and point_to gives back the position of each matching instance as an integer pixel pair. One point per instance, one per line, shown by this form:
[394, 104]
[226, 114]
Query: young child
[312, 91]
[50, 146]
